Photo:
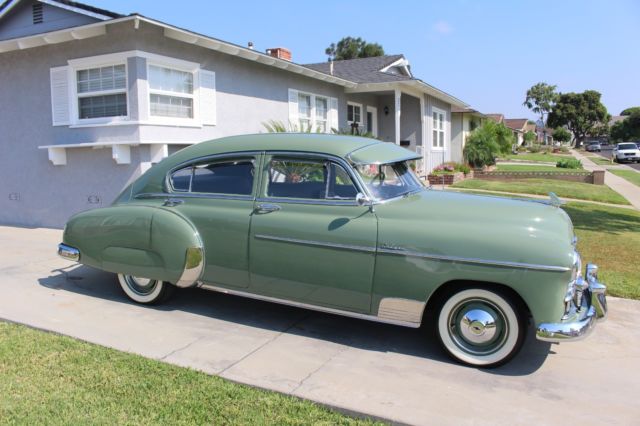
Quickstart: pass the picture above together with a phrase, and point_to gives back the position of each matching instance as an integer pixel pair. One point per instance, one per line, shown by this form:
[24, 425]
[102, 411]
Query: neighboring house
[544, 135]
[518, 126]
[463, 122]
[90, 99]
[498, 118]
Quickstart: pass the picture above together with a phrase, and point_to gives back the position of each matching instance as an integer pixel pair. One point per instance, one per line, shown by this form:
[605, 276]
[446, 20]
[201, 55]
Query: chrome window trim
[397, 251]
[214, 157]
[316, 243]
[302, 305]
[360, 186]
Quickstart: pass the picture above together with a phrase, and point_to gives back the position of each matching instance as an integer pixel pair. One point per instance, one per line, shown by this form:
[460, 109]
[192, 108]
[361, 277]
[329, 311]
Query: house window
[102, 92]
[438, 128]
[304, 111]
[170, 92]
[322, 114]
[354, 113]
[312, 112]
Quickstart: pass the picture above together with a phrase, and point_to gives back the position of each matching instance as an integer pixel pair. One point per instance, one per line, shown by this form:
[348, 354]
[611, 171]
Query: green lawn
[536, 157]
[582, 191]
[630, 175]
[533, 168]
[600, 160]
[50, 379]
[610, 238]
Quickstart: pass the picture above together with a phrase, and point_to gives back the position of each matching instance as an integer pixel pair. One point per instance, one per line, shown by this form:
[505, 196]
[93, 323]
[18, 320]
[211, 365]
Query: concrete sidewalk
[391, 372]
[622, 186]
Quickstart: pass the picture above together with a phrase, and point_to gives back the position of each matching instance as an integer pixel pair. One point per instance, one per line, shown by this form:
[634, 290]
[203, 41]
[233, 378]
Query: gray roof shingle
[362, 70]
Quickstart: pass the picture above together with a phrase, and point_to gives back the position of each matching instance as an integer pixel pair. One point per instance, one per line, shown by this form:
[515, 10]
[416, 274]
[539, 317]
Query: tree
[540, 99]
[581, 113]
[630, 111]
[351, 48]
[561, 135]
[529, 137]
[627, 129]
[486, 142]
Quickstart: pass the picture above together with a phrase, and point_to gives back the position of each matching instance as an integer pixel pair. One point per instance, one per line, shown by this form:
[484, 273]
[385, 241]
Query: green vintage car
[342, 225]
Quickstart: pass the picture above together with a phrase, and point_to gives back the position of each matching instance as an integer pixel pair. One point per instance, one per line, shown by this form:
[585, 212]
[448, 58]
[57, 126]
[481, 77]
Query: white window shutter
[293, 109]
[333, 115]
[208, 97]
[60, 99]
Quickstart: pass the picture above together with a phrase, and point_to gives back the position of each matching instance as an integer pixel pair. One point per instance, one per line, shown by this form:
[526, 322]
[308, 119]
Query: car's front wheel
[481, 327]
[145, 290]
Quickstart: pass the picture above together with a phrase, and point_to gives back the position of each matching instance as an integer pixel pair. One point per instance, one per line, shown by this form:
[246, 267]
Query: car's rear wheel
[481, 327]
[145, 290]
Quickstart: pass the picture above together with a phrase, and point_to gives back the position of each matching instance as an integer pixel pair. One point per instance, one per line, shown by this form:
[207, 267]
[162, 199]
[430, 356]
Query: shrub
[534, 148]
[569, 163]
[564, 149]
[487, 142]
[451, 167]
[522, 148]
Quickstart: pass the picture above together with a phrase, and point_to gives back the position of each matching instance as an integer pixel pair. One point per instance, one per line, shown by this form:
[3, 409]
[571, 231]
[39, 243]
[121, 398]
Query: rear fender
[144, 241]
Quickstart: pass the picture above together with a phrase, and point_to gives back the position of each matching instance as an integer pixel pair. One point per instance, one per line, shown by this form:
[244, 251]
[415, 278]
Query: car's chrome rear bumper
[68, 252]
[581, 319]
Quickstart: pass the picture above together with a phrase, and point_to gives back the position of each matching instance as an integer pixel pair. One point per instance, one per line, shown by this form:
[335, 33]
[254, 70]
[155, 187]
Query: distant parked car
[626, 151]
[594, 147]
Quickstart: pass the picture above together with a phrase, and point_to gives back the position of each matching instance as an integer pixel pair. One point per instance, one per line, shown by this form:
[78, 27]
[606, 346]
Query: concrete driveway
[382, 370]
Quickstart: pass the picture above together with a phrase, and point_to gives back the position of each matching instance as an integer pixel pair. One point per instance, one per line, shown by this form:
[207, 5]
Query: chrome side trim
[178, 195]
[316, 202]
[316, 243]
[396, 251]
[311, 307]
[407, 310]
[193, 266]
[68, 252]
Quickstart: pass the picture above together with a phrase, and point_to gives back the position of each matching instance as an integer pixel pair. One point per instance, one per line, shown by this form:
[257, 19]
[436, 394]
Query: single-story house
[90, 99]
[463, 122]
[518, 126]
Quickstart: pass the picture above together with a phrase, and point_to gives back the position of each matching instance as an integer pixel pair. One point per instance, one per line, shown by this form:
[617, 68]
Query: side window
[309, 179]
[234, 177]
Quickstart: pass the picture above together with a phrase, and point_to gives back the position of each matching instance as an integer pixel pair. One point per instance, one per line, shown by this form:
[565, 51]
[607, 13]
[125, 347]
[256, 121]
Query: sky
[485, 52]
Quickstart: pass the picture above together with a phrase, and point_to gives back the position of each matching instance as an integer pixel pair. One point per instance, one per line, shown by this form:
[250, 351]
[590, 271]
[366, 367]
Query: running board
[411, 324]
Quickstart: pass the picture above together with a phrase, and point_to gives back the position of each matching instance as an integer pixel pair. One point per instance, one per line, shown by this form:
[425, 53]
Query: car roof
[356, 148]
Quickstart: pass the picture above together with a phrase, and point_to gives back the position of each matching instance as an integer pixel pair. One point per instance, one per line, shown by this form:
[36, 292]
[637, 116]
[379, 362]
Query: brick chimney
[280, 53]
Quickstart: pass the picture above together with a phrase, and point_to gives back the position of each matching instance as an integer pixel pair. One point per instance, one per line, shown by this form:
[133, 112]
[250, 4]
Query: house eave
[61, 6]
[411, 85]
[99, 28]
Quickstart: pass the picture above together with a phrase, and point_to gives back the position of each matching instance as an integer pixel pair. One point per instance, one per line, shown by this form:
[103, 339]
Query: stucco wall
[36, 193]
[19, 21]
[410, 123]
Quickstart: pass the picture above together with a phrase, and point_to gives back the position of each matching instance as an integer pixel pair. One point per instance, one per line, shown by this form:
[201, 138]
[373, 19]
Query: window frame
[435, 145]
[312, 111]
[354, 105]
[305, 156]
[175, 65]
[74, 69]
[255, 157]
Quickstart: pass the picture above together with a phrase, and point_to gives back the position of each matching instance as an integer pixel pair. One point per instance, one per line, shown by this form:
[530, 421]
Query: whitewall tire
[480, 327]
[144, 290]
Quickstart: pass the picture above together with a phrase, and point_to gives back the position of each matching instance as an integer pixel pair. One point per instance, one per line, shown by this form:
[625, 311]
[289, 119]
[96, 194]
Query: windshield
[386, 181]
[627, 146]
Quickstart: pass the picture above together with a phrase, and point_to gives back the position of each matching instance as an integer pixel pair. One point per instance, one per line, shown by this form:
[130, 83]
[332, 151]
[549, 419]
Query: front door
[310, 241]
[216, 195]
[372, 120]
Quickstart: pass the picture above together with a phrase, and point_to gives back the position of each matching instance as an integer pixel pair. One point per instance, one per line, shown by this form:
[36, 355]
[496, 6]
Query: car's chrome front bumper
[68, 252]
[581, 317]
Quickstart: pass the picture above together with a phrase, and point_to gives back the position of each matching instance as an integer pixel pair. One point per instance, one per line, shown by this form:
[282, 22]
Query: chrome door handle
[172, 202]
[267, 208]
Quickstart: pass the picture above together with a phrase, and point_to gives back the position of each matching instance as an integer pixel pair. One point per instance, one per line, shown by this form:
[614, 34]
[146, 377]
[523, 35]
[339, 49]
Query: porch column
[423, 139]
[398, 96]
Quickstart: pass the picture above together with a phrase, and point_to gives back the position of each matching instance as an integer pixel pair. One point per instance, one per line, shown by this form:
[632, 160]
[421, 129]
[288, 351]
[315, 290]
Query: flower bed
[449, 173]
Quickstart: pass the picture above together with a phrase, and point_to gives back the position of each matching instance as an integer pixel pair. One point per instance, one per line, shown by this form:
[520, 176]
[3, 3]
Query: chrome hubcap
[141, 286]
[478, 326]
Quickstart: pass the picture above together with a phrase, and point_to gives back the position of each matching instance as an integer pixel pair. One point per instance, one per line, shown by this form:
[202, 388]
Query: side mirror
[363, 200]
